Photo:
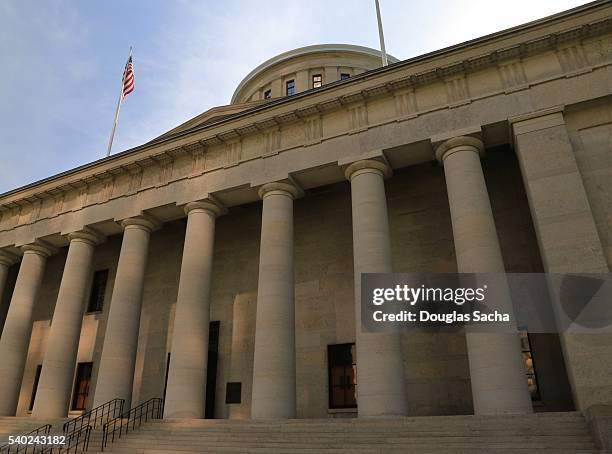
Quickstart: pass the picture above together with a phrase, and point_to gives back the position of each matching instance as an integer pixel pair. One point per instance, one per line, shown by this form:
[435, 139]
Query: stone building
[218, 265]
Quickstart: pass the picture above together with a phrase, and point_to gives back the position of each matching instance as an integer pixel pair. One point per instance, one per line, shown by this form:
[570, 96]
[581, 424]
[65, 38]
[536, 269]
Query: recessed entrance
[342, 367]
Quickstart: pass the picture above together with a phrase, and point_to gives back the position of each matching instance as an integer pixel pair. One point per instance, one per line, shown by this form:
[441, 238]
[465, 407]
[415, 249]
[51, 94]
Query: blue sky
[62, 61]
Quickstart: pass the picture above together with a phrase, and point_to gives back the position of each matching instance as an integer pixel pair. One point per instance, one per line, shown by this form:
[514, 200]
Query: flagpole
[383, 52]
[112, 135]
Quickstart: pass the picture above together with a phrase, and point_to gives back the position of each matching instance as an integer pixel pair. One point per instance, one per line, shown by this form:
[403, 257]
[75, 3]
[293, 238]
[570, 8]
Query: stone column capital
[143, 222]
[208, 205]
[87, 235]
[367, 166]
[286, 189]
[461, 143]
[8, 258]
[39, 247]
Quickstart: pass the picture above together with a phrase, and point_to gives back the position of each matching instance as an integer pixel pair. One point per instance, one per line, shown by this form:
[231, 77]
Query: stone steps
[552, 445]
[353, 449]
[11, 425]
[375, 449]
[360, 436]
[390, 430]
[557, 433]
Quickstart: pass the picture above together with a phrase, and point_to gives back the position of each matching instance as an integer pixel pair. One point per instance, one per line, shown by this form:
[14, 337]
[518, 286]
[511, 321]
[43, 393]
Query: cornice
[323, 100]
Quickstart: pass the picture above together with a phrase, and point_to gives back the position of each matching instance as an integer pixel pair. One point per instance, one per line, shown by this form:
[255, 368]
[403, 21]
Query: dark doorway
[35, 387]
[81, 386]
[211, 369]
[167, 371]
[98, 291]
[342, 360]
[554, 390]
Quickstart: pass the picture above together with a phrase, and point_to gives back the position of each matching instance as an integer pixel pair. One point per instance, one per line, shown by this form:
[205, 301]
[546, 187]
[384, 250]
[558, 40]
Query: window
[532, 380]
[268, 94]
[290, 87]
[342, 375]
[81, 386]
[98, 290]
[317, 80]
[211, 368]
[344, 76]
[35, 387]
[233, 392]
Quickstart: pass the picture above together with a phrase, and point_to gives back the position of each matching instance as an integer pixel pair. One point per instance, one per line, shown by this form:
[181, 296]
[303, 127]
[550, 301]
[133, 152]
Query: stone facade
[384, 171]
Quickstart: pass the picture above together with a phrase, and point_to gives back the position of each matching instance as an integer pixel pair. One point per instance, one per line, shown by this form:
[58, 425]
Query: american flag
[128, 78]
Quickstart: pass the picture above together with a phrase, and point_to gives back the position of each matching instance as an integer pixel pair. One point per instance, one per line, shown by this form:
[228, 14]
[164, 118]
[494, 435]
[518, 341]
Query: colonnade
[497, 375]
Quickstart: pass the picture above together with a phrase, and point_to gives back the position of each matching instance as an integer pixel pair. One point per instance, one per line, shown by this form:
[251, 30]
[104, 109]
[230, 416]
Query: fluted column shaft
[118, 359]
[18, 326]
[186, 390]
[380, 369]
[497, 372]
[55, 383]
[274, 362]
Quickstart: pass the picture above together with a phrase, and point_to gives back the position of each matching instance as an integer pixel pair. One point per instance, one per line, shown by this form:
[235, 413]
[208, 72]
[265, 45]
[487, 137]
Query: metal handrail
[150, 409]
[96, 416]
[42, 430]
[75, 441]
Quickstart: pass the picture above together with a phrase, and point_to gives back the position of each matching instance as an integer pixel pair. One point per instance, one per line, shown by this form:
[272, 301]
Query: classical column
[18, 326]
[55, 383]
[186, 391]
[497, 372]
[274, 359]
[380, 367]
[117, 362]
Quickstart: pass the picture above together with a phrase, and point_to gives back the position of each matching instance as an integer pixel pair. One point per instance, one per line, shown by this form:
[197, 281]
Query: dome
[306, 68]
